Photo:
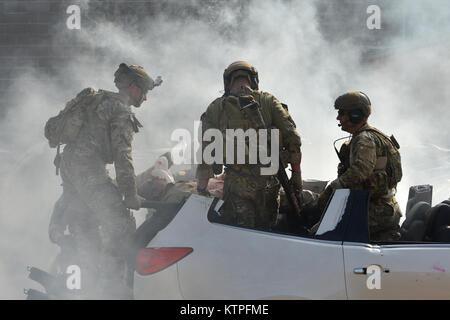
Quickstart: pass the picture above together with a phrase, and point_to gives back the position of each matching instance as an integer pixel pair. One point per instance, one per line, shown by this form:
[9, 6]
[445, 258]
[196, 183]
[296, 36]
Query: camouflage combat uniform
[366, 167]
[106, 138]
[81, 246]
[250, 199]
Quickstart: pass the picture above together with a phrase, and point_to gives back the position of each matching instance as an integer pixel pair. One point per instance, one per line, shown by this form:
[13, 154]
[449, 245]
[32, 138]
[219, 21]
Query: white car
[187, 254]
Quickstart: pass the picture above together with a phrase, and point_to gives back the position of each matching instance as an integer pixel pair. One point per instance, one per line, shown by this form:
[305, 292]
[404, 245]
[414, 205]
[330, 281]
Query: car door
[397, 270]
[230, 262]
[403, 271]
[238, 263]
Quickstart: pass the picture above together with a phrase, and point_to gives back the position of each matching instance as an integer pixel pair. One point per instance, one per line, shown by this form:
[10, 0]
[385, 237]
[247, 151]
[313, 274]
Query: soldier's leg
[96, 190]
[56, 230]
[267, 202]
[117, 226]
[238, 208]
[58, 222]
[82, 221]
[384, 218]
[85, 231]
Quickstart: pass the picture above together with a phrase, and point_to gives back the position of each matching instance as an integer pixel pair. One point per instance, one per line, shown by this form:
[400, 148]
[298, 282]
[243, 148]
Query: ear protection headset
[356, 116]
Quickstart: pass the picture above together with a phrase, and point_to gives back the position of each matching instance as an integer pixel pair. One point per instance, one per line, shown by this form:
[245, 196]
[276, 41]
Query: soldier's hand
[133, 202]
[296, 180]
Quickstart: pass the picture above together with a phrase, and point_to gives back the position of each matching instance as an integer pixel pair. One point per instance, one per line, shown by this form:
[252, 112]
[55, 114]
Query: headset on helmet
[357, 103]
[240, 66]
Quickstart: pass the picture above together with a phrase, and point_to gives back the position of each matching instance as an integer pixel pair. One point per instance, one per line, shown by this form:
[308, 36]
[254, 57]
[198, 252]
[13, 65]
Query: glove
[296, 180]
[133, 202]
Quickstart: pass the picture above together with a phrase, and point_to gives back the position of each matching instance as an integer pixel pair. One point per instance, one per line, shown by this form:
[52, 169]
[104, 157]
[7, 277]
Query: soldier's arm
[58, 222]
[122, 134]
[205, 171]
[362, 164]
[291, 138]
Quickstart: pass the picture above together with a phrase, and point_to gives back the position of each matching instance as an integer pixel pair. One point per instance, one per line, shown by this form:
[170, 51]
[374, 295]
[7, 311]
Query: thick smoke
[297, 62]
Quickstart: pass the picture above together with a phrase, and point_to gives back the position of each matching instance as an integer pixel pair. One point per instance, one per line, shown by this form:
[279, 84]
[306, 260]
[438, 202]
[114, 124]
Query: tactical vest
[234, 116]
[391, 163]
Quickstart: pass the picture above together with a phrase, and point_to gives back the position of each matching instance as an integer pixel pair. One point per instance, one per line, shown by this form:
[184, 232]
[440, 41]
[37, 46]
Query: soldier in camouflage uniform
[106, 137]
[369, 161]
[250, 199]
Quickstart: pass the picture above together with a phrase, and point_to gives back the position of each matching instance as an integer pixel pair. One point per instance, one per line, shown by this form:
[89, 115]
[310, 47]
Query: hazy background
[307, 53]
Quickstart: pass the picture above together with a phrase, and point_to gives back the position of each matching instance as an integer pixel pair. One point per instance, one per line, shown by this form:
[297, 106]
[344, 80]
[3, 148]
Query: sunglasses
[342, 113]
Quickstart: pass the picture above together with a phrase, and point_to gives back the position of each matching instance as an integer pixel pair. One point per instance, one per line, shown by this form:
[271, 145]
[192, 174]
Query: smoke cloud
[190, 44]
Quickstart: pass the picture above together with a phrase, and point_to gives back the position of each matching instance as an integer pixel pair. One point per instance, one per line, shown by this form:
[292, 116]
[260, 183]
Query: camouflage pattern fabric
[224, 113]
[250, 204]
[82, 245]
[384, 219]
[106, 138]
[250, 200]
[368, 152]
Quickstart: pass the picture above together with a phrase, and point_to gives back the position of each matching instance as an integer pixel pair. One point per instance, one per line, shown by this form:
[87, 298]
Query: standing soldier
[250, 199]
[370, 161]
[98, 128]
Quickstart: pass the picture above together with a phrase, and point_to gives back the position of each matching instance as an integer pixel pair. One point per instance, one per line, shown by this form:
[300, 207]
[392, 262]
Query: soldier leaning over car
[105, 129]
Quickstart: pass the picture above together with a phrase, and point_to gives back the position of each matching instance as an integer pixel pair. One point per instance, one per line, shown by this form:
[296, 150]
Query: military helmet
[240, 68]
[125, 75]
[354, 100]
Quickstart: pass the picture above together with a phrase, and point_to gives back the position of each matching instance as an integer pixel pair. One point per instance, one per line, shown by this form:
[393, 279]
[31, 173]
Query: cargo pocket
[378, 184]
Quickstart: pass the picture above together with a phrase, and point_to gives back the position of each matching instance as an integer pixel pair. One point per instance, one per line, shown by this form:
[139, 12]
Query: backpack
[65, 127]
[394, 162]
